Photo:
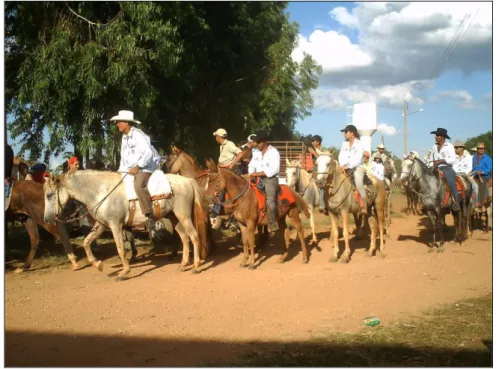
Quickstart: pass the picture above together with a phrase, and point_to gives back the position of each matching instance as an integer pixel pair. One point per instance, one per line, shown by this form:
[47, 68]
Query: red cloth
[72, 160]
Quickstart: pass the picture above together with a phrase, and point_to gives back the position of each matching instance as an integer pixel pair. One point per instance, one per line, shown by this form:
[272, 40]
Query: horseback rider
[482, 166]
[24, 171]
[230, 155]
[381, 151]
[350, 159]
[413, 155]
[314, 150]
[139, 159]
[377, 167]
[73, 164]
[39, 173]
[255, 164]
[269, 173]
[464, 165]
[443, 157]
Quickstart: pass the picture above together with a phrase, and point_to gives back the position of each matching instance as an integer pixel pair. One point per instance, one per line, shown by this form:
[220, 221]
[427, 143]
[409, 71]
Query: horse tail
[200, 219]
[302, 204]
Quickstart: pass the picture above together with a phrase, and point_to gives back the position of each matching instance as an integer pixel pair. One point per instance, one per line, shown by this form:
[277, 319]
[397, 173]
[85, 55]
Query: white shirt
[271, 162]
[446, 153]
[136, 149]
[352, 157]
[378, 170]
[463, 164]
[255, 165]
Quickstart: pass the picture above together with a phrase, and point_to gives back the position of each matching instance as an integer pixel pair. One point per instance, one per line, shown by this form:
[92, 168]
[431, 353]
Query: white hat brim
[117, 117]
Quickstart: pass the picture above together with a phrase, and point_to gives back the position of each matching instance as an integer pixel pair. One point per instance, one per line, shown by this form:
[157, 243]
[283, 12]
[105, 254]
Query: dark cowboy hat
[349, 128]
[440, 132]
[261, 136]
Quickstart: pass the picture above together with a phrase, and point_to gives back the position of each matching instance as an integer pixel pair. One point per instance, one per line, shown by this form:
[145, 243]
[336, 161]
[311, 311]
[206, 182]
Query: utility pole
[406, 105]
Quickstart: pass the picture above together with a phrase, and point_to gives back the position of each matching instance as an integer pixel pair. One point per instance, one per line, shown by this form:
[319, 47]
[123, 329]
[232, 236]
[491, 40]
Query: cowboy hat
[440, 132]
[480, 145]
[459, 144]
[125, 116]
[220, 132]
[261, 136]
[416, 155]
[381, 146]
[377, 156]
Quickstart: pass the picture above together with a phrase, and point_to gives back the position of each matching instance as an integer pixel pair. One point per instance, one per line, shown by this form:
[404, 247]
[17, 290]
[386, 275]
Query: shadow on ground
[72, 350]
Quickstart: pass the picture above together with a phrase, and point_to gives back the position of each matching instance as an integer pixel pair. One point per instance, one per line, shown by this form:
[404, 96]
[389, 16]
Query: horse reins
[417, 179]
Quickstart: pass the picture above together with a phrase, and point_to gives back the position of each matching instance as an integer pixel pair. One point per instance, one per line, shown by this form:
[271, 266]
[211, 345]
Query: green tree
[185, 69]
[486, 138]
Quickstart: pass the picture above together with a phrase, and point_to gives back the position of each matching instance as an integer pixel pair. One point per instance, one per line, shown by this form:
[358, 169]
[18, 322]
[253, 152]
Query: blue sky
[459, 99]
[384, 53]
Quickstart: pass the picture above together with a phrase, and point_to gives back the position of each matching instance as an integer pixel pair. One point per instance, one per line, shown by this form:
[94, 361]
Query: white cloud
[398, 47]
[385, 129]
[462, 97]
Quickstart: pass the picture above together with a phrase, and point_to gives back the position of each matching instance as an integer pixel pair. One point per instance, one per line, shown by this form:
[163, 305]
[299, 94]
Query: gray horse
[417, 175]
[104, 194]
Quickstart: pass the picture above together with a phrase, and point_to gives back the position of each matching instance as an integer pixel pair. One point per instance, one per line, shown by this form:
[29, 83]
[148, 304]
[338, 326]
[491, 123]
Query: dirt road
[59, 317]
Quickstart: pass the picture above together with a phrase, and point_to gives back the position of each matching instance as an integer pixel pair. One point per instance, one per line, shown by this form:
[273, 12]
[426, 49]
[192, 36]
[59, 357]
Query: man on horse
[314, 150]
[39, 173]
[464, 165]
[482, 166]
[377, 167]
[269, 174]
[350, 159]
[230, 155]
[381, 151]
[255, 164]
[138, 159]
[73, 164]
[443, 157]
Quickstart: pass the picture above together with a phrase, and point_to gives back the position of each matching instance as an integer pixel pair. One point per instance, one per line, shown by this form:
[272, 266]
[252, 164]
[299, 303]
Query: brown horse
[340, 194]
[28, 198]
[245, 203]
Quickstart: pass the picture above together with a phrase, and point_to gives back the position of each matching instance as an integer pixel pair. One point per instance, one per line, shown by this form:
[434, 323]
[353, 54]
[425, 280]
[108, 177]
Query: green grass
[455, 335]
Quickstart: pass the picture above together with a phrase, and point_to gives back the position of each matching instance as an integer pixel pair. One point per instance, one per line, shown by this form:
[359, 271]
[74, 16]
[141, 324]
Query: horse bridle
[417, 179]
[232, 202]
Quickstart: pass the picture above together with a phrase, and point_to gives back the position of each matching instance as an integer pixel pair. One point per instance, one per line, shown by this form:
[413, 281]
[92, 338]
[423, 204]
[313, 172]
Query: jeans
[215, 211]
[483, 191]
[358, 176]
[450, 175]
[271, 189]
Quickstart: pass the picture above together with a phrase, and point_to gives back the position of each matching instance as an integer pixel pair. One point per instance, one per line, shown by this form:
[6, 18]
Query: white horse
[105, 196]
[302, 182]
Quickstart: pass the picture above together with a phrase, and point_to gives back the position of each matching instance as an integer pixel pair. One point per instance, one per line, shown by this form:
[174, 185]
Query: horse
[302, 182]
[249, 210]
[433, 190]
[341, 200]
[104, 195]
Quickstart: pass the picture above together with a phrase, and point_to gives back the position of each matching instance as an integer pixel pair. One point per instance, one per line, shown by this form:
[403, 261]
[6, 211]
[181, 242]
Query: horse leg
[250, 232]
[440, 227]
[287, 242]
[373, 226]
[333, 237]
[312, 223]
[194, 237]
[120, 246]
[65, 242]
[34, 240]
[91, 237]
[244, 236]
[184, 237]
[433, 220]
[129, 236]
[489, 217]
[359, 224]
[345, 258]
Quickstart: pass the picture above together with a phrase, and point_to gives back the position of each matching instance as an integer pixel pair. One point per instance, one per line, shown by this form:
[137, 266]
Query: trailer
[293, 150]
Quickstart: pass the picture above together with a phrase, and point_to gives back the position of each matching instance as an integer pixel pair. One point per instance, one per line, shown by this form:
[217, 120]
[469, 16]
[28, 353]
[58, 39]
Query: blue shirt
[485, 165]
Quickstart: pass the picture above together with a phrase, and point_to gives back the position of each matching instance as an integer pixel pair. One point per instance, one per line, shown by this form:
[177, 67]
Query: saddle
[367, 182]
[461, 189]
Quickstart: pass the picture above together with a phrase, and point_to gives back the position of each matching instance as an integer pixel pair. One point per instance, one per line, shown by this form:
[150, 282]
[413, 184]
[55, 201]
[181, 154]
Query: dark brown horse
[245, 204]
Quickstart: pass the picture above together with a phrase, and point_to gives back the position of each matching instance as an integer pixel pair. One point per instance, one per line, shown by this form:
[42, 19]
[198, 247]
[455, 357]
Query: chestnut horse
[244, 201]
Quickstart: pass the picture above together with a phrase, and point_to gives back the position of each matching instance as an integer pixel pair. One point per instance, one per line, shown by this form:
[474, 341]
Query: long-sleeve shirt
[378, 170]
[136, 149]
[446, 153]
[255, 165]
[463, 164]
[271, 162]
[484, 164]
[351, 156]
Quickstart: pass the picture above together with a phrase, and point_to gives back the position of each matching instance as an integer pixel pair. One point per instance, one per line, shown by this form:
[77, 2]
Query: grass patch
[455, 335]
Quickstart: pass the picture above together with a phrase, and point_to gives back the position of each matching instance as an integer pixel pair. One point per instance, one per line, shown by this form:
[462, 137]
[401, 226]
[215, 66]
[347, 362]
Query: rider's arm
[144, 149]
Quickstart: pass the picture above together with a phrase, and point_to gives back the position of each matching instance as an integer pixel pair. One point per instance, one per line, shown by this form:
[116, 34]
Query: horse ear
[333, 153]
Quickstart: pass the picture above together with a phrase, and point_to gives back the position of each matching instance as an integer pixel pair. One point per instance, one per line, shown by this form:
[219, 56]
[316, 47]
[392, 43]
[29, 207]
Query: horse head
[324, 163]
[56, 197]
[293, 172]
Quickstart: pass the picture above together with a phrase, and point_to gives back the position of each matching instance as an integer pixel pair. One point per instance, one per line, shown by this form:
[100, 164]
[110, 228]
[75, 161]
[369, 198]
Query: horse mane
[425, 168]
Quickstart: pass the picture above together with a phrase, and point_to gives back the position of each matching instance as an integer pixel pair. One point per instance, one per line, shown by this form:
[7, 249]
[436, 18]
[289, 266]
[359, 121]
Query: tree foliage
[185, 69]
[486, 138]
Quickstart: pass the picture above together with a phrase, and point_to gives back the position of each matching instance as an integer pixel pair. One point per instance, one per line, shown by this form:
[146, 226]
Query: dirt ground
[161, 316]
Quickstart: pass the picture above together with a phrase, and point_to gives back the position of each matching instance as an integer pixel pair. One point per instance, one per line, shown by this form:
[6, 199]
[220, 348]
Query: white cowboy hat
[125, 116]
[381, 146]
[415, 153]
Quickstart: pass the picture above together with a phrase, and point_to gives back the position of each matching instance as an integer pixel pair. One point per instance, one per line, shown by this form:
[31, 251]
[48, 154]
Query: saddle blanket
[158, 185]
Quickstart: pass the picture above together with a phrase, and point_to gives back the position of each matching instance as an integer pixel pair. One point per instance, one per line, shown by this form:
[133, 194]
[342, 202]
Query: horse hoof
[382, 254]
[75, 267]
[332, 259]
[133, 259]
[182, 268]
[99, 265]
[252, 267]
[343, 261]
[281, 261]
[242, 265]
[368, 254]
[430, 250]
[121, 278]
[440, 250]
[196, 271]
[304, 261]
[19, 270]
